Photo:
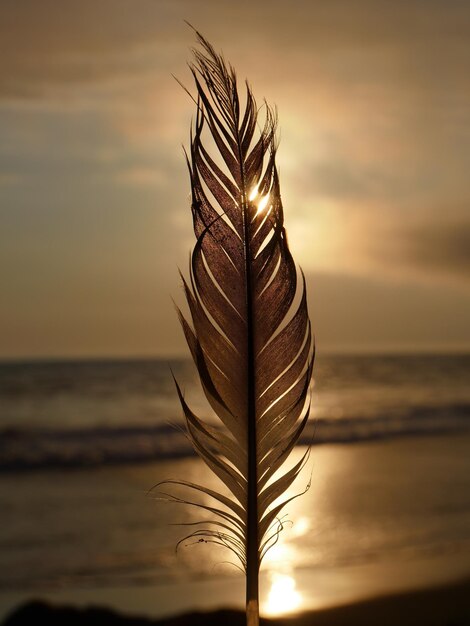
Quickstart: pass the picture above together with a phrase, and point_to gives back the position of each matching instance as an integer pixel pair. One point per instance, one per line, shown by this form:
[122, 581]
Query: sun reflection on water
[283, 597]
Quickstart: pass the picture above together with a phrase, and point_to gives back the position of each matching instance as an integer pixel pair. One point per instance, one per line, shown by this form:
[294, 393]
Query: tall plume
[249, 334]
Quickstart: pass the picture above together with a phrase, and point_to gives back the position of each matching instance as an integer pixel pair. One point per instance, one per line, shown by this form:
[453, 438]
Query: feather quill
[250, 335]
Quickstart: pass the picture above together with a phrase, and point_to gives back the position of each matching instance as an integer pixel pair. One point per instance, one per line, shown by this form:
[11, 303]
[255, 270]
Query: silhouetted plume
[250, 335]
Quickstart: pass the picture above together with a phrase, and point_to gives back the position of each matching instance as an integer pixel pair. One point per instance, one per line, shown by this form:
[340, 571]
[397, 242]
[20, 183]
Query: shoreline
[93, 538]
[445, 605]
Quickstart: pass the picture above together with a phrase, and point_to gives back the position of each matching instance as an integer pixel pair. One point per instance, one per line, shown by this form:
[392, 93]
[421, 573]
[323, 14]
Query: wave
[31, 449]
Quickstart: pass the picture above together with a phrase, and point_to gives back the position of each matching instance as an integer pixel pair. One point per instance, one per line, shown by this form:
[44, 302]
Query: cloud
[407, 43]
[440, 247]
[365, 312]
[48, 44]
[373, 105]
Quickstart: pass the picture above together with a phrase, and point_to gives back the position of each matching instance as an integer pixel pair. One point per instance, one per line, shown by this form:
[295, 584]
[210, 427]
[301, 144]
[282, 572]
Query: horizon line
[352, 351]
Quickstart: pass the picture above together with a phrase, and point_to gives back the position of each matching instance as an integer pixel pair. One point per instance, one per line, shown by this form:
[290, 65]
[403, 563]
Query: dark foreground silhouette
[445, 606]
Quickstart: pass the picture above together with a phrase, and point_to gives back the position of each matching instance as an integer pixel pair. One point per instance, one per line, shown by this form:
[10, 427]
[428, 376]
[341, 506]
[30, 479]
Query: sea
[83, 442]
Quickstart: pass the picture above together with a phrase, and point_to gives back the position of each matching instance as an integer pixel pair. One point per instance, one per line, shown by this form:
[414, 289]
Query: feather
[250, 335]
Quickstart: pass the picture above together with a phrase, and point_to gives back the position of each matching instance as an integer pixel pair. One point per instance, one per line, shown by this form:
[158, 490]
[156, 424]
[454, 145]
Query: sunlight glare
[262, 204]
[280, 552]
[283, 596]
[253, 193]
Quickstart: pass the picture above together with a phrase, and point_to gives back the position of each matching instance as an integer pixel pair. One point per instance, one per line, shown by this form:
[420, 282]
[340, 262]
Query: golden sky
[373, 99]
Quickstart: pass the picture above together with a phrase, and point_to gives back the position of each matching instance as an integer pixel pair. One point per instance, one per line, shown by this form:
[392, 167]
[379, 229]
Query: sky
[373, 99]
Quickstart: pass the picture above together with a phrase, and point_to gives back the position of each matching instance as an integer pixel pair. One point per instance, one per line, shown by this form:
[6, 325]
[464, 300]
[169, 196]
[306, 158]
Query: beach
[387, 513]
[442, 606]
[380, 518]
